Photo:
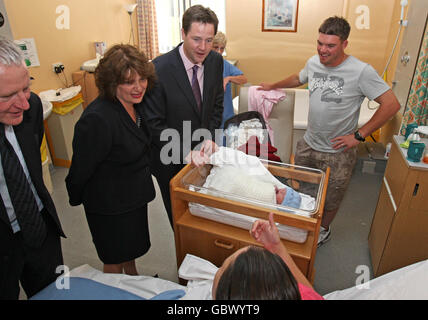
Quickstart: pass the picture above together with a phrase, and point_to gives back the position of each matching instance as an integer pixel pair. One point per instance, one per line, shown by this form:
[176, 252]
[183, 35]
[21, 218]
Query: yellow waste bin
[61, 129]
[44, 149]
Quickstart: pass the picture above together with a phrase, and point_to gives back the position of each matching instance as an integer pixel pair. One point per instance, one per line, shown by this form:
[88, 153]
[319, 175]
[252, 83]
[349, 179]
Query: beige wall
[271, 56]
[263, 56]
[90, 20]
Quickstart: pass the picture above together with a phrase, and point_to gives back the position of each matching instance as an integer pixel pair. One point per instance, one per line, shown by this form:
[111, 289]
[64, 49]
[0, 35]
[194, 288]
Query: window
[169, 14]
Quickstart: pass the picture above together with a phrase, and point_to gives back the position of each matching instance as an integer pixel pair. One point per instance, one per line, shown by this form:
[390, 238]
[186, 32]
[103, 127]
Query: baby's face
[280, 194]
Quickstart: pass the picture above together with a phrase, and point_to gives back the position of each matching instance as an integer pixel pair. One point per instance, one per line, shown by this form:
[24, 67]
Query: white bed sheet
[407, 283]
[244, 221]
[410, 282]
[199, 273]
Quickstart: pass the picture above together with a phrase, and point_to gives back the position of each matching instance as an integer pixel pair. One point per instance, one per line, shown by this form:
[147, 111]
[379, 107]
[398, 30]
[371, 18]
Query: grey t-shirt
[336, 94]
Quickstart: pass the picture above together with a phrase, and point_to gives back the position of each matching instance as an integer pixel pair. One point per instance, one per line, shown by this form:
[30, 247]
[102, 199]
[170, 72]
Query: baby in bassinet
[288, 197]
[236, 181]
[244, 178]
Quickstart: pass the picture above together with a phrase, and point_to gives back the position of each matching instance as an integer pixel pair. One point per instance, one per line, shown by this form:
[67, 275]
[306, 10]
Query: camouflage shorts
[341, 166]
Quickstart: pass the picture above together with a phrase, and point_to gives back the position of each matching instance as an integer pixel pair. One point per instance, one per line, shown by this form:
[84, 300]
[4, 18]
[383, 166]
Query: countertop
[411, 164]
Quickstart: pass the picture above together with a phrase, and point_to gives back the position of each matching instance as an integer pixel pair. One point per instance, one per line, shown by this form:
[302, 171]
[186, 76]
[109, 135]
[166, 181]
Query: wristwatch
[358, 136]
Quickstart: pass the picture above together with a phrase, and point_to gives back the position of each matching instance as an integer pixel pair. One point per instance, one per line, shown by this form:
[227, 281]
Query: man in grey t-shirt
[338, 84]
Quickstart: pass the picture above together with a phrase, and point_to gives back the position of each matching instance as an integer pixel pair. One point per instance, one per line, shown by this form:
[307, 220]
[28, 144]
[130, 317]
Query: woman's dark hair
[257, 274]
[198, 13]
[113, 69]
[336, 26]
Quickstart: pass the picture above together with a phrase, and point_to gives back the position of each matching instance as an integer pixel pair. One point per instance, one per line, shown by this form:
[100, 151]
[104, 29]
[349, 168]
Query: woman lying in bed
[268, 273]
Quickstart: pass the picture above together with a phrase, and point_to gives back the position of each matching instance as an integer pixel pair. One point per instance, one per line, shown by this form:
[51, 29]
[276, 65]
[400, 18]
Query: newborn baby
[236, 181]
[288, 197]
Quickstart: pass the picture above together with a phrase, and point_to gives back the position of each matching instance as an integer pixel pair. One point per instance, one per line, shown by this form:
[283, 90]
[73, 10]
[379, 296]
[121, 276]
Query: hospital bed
[409, 282]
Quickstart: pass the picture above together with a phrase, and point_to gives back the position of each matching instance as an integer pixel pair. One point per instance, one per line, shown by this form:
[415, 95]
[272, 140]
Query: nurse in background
[230, 74]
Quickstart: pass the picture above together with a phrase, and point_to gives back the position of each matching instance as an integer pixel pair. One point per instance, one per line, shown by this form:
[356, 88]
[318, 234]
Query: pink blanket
[263, 101]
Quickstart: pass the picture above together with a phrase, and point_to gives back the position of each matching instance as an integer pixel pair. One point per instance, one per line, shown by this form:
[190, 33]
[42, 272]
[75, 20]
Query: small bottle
[388, 150]
[425, 158]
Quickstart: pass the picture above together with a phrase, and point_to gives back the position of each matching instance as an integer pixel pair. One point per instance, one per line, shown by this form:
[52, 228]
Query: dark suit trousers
[35, 268]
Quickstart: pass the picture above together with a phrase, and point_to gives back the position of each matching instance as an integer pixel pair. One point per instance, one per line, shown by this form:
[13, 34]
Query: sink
[91, 65]
[47, 109]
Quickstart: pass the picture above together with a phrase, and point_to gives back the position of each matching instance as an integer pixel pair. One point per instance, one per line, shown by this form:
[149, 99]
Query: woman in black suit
[110, 173]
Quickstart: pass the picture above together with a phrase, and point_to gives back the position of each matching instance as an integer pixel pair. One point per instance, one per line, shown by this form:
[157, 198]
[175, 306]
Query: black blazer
[109, 170]
[172, 101]
[29, 134]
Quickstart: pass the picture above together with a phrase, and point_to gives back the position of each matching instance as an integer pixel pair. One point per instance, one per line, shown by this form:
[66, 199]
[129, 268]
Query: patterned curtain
[147, 28]
[417, 109]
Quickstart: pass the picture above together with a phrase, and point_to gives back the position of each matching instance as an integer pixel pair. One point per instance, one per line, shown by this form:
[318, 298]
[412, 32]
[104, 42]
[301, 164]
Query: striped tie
[24, 203]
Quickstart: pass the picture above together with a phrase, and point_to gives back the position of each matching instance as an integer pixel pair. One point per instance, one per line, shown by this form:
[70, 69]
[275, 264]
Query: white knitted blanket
[244, 175]
[235, 181]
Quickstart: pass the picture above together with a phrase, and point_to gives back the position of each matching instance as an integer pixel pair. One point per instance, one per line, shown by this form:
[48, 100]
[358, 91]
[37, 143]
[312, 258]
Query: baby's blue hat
[292, 198]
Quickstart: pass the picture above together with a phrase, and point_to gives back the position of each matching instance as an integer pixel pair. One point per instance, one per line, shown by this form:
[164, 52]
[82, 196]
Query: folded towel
[263, 101]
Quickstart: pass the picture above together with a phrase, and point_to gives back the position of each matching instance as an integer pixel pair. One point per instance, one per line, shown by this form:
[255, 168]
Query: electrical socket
[57, 67]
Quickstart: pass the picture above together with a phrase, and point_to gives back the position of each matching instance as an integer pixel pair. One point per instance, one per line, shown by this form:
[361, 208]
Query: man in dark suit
[30, 246]
[188, 99]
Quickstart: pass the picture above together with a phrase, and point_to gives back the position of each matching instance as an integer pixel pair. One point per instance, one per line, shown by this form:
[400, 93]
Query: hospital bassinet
[213, 224]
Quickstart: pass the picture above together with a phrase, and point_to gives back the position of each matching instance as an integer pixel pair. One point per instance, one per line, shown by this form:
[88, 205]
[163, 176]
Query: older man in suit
[188, 97]
[30, 246]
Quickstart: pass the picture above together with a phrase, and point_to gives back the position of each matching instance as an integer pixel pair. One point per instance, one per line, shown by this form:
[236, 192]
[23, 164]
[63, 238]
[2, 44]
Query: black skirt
[120, 238]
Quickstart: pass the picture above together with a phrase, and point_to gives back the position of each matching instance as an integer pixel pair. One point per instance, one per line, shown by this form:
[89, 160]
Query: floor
[78, 248]
[338, 262]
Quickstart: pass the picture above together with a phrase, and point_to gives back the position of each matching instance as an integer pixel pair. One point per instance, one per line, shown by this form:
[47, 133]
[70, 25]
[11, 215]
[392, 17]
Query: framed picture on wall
[280, 15]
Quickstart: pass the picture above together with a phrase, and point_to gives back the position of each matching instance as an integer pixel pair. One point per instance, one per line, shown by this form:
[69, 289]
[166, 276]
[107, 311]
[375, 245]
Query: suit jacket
[109, 171]
[172, 101]
[29, 134]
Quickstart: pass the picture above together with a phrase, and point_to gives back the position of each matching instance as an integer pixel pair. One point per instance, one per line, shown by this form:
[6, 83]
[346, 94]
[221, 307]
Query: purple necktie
[195, 87]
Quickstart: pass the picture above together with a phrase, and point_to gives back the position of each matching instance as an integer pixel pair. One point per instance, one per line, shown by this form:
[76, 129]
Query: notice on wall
[29, 51]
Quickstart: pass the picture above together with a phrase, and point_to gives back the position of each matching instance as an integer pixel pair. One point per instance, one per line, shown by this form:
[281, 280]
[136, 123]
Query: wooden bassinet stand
[216, 241]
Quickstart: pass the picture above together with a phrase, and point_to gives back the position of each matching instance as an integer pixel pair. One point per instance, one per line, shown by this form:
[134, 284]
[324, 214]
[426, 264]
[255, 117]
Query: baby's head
[254, 273]
[288, 197]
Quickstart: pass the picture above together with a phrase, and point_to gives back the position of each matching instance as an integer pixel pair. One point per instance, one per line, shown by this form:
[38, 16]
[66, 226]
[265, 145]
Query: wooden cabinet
[399, 232]
[216, 241]
[211, 246]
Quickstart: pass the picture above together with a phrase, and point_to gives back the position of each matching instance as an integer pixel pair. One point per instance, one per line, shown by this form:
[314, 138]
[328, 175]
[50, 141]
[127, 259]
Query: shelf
[300, 250]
